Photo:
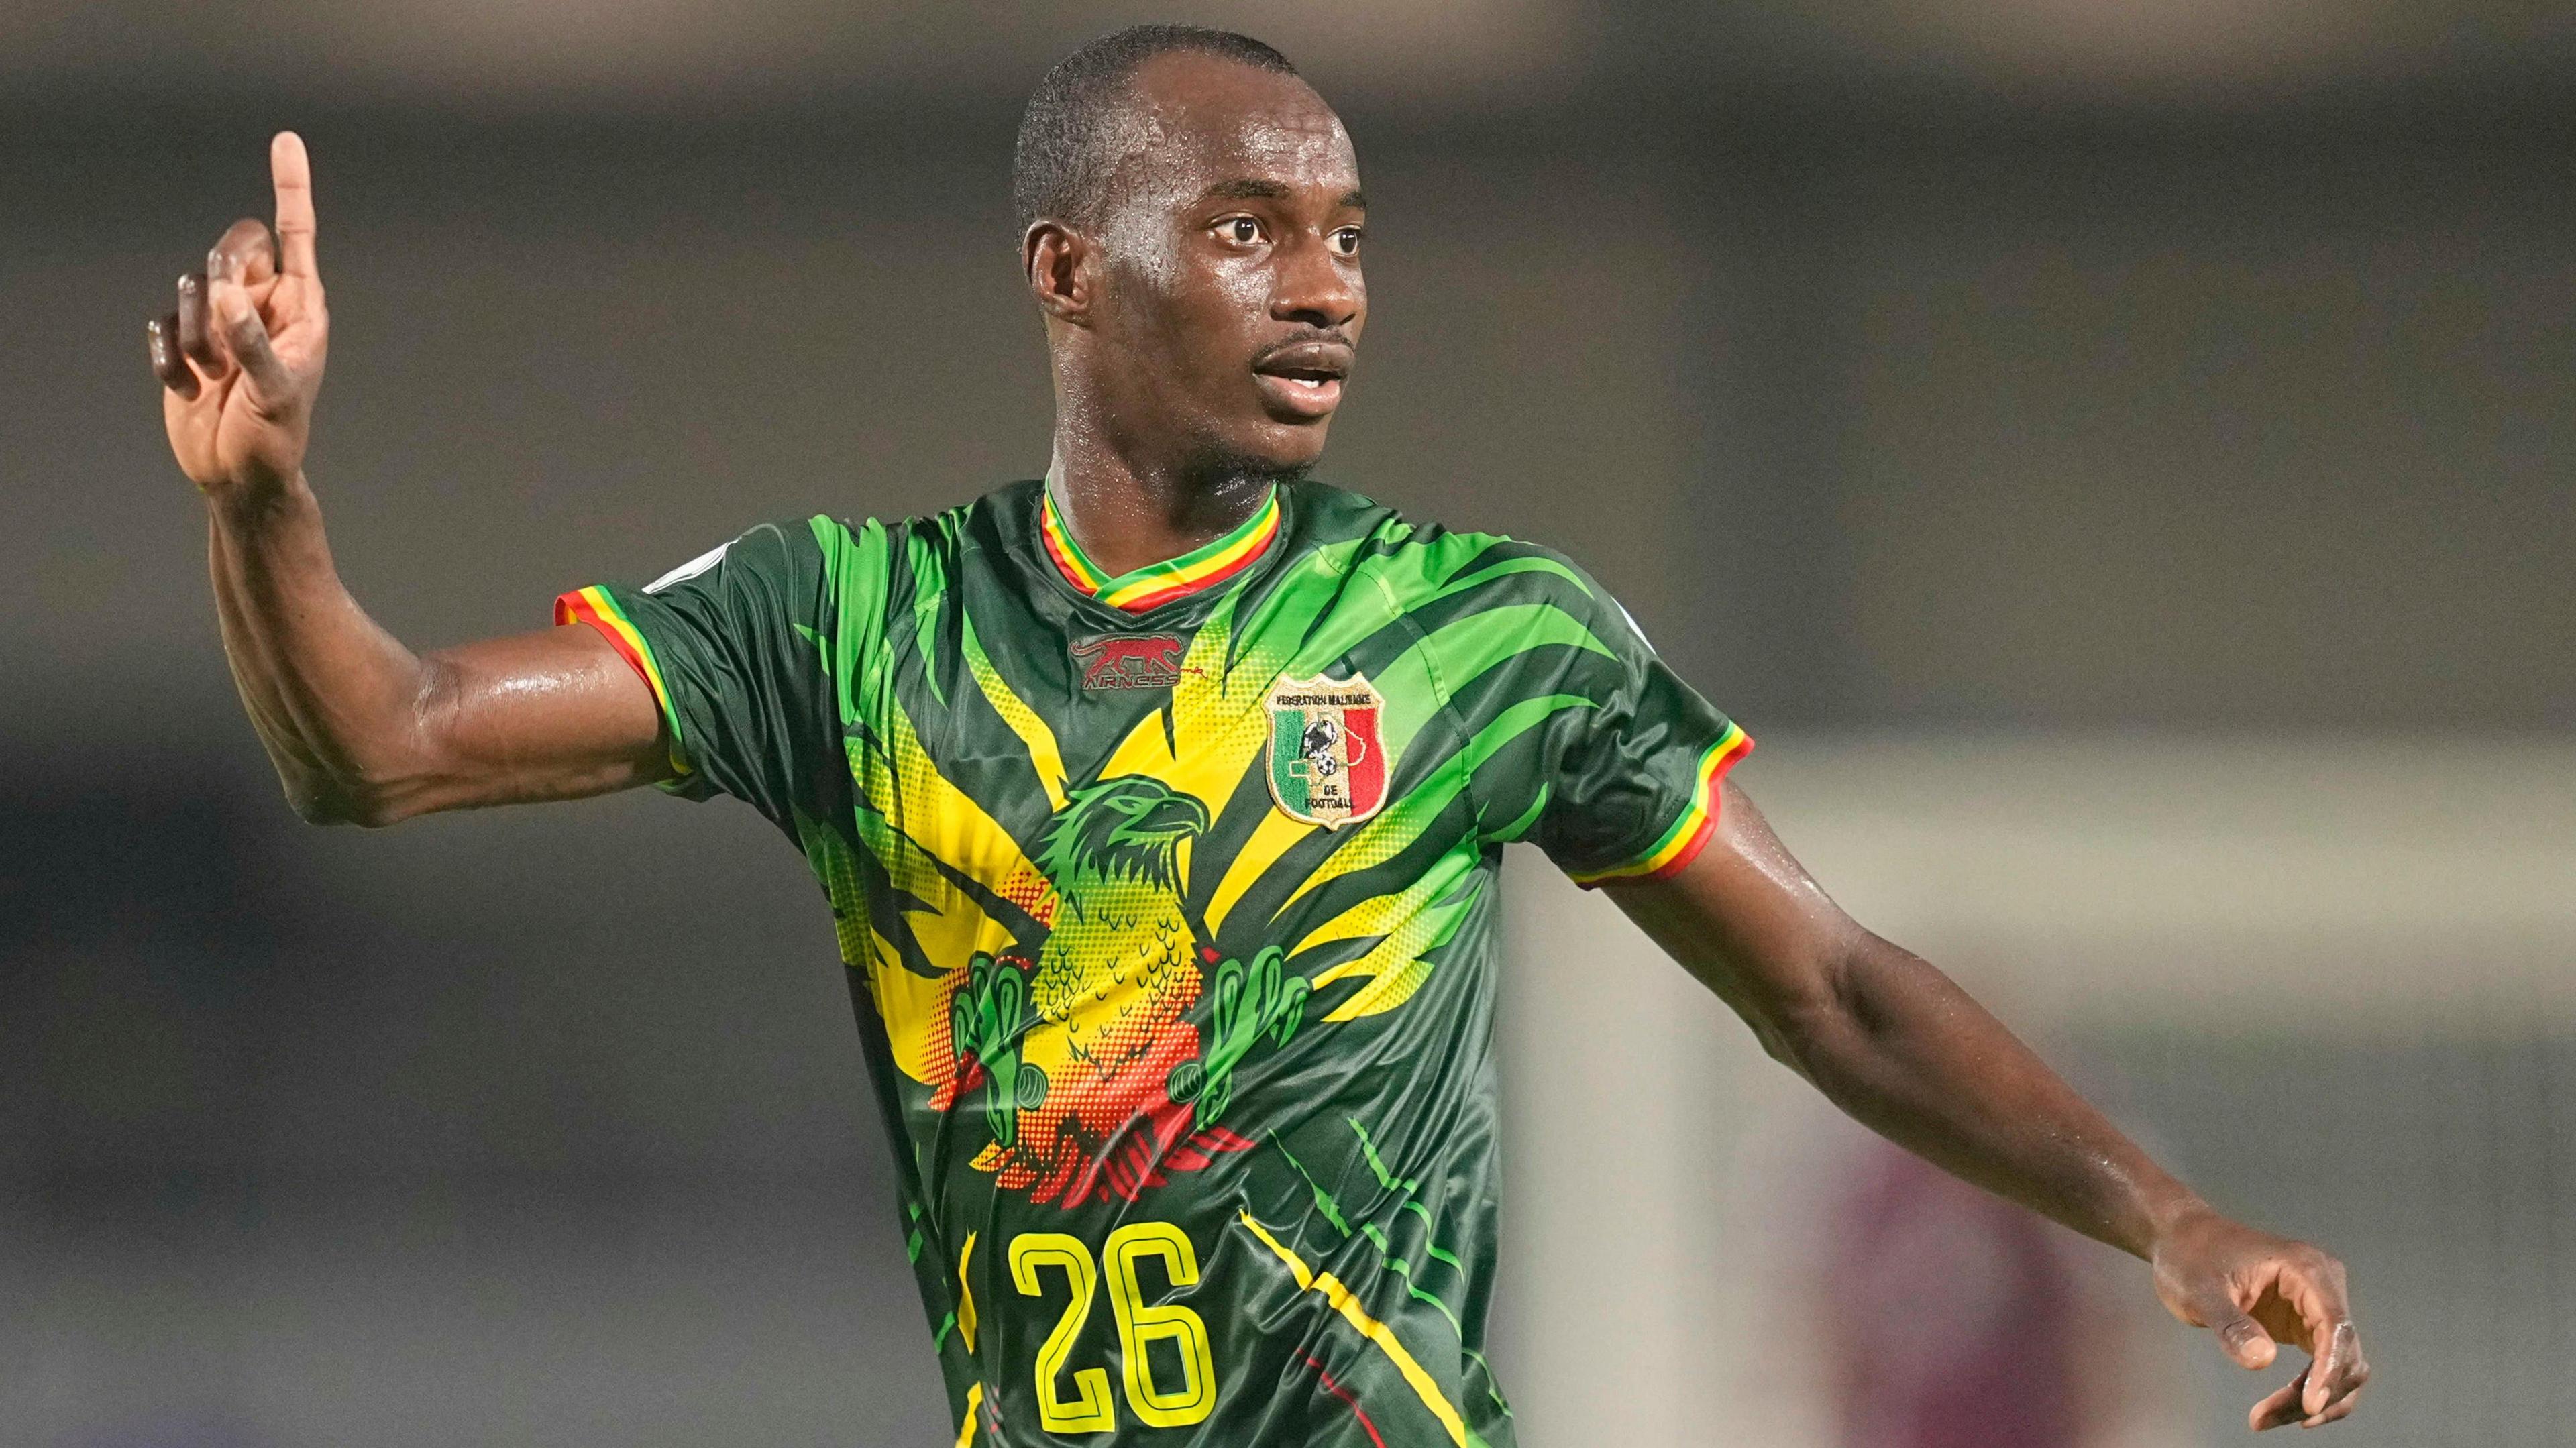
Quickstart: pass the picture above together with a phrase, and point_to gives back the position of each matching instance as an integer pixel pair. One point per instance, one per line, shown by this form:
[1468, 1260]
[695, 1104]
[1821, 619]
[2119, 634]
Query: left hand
[2254, 1290]
[240, 360]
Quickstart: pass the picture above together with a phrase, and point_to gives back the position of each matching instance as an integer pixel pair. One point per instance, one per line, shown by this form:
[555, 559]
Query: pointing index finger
[292, 173]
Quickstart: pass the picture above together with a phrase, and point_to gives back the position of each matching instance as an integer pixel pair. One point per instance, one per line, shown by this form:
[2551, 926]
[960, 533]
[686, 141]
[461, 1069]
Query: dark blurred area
[2032, 371]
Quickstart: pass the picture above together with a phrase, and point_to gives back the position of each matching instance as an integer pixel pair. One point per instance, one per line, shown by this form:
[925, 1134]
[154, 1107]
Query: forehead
[1193, 120]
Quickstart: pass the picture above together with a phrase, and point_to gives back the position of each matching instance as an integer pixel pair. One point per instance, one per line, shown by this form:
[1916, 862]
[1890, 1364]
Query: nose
[1316, 287]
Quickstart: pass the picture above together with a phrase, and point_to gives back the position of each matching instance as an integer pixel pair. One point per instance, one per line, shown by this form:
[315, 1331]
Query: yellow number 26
[1140, 1326]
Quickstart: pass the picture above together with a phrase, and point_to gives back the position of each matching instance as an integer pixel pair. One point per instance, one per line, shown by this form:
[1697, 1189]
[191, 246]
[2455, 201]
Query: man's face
[1230, 298]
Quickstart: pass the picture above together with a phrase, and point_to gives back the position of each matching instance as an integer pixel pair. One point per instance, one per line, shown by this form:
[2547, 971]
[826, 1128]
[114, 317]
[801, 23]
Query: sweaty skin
[1200, 339]
[361, 729]
[1897, 1045]
[1200, 331]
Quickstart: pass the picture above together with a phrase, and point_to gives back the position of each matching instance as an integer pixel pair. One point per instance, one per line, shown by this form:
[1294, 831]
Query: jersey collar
[1157, 584]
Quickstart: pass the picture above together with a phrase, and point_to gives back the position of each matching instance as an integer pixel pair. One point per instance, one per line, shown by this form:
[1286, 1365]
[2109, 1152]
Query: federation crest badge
[1328, 765]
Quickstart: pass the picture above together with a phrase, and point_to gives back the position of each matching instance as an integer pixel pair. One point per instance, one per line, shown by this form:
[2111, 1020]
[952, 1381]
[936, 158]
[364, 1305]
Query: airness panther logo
[1129, 661]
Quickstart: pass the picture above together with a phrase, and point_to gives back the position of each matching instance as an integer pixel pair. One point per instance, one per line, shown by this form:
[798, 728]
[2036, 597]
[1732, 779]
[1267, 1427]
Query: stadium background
[2119, 460]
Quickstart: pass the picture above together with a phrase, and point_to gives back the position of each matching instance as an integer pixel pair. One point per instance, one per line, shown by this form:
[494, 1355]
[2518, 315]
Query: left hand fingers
[242, 257]
[196, 341]
[243, 254]
[2335, 1378]
[292, 173]
[2282, 1407]
[161, 341]
[2312, 1284]
[2285, 1407]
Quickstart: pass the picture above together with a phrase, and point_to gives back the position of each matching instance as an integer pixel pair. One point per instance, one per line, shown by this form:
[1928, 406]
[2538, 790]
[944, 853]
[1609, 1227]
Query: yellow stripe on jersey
[1044, 757]
[1218, 719]
[966, 1295]
[1348, 1305]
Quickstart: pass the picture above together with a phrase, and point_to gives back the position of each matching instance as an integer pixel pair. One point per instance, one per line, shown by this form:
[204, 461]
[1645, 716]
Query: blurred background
[2120, 460]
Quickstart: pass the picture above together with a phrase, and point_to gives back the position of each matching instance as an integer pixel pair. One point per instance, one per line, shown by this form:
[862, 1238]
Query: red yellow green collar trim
[1159, 583]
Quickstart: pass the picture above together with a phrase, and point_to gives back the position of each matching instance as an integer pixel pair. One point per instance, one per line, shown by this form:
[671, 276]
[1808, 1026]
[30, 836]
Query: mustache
[1306, 338]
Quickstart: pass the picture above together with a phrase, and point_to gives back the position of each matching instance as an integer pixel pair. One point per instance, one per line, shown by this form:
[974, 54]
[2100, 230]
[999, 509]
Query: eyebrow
[1249, 190]
[1246, 191]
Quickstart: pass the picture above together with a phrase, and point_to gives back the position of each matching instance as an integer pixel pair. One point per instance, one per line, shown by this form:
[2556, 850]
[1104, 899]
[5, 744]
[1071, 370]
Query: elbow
[345, 802]
[1808, 1042]
[1821, 1029]
[379, 777]
[325, 805]
[1867, 1008]
[315, 806]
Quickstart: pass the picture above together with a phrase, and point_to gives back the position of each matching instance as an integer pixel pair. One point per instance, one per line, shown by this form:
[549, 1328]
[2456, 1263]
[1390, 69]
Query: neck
[1127, 515]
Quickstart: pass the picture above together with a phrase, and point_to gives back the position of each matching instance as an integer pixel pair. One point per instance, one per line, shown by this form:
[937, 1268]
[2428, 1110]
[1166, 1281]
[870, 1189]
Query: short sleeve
[735, 647]
[1630, 784]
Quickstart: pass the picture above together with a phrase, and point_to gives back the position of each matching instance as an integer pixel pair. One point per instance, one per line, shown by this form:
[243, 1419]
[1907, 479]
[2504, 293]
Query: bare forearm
[365, 731]
[1903, 1049]
[1895, 1043]
[361, 729]
[335, 699]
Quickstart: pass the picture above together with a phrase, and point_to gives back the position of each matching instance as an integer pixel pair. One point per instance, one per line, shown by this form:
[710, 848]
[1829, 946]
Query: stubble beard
[1223, 474]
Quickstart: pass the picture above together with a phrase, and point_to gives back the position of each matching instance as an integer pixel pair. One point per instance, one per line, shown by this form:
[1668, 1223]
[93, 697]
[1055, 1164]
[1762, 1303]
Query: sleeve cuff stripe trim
[1697, 824]
[596, 608]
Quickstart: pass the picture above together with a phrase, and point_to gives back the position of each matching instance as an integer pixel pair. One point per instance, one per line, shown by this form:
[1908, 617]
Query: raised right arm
[361, 729]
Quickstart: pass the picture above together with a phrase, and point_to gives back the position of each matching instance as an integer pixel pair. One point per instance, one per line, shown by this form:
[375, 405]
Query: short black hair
[1056, 168]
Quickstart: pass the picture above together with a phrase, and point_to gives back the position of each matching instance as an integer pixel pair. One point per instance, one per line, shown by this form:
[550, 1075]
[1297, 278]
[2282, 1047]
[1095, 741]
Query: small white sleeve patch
[1623, 613]
[690, 569]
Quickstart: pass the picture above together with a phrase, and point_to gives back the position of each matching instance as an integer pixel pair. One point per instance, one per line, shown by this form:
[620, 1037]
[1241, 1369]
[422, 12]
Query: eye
[1345, 242]
[1241, 230]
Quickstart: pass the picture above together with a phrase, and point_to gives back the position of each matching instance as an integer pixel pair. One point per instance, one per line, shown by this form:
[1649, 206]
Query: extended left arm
[1900, 1047]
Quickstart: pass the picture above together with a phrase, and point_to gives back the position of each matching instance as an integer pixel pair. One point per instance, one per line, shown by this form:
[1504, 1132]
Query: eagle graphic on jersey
[1137, 1086]
[1169, 906]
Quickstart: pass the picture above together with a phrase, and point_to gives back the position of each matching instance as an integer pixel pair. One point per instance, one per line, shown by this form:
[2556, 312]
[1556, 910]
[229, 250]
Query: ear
[1060, 262]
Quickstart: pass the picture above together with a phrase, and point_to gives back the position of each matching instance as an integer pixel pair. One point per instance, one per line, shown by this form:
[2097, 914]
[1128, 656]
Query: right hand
[240, 360]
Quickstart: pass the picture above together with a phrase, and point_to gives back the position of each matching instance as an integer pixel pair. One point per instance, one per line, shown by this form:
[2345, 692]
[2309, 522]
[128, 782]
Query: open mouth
[1302, 394]
[1304, 379]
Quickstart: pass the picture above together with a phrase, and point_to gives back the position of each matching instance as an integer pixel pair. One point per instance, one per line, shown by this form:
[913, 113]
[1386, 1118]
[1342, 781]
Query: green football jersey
[1168, 902]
